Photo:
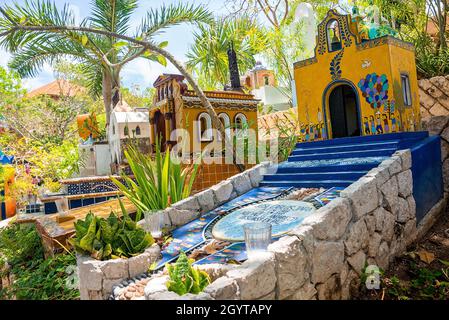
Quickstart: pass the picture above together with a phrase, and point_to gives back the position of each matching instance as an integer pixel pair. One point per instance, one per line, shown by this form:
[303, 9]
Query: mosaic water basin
[283, 215]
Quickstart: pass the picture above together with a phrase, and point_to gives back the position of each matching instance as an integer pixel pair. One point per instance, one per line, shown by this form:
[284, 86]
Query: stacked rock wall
[372, 222]
[434, 96]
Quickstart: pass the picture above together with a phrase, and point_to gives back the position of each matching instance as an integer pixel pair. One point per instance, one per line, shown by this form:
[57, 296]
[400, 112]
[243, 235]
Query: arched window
[126, 130]
[226, 121]
[204, 127]
[113, 129]
[138, 131]
[266, 80]
[241, 125]
[333, 36]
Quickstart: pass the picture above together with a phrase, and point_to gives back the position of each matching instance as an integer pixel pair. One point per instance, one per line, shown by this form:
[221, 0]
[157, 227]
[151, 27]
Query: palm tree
[102, 56]
[208, 54]
[15, 24]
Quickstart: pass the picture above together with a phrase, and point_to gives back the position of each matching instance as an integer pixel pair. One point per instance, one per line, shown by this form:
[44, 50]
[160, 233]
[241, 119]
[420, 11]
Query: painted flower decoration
[374, 89]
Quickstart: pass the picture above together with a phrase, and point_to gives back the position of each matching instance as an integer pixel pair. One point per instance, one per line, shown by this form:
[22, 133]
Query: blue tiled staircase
[338, 162]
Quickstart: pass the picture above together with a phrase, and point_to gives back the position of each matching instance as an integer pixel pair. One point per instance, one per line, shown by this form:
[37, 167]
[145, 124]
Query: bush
[36, 278]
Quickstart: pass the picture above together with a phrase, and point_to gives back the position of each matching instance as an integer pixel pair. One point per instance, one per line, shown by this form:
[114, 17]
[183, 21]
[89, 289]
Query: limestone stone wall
[191, 208]
[434, 96]
[97, 278]
[372, 222]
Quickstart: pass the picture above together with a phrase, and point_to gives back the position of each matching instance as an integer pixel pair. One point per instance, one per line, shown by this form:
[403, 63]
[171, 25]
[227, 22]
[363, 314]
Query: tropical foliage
[184, 278]
[110, 238]
[36, 278]
[208, 57]
[156, 182]
[102, 57]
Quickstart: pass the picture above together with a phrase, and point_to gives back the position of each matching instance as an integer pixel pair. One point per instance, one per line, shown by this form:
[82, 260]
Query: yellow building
[176, 107]
[356, 86]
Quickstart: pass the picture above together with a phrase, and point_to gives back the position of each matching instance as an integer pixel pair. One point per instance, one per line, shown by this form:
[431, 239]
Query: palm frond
[168, 16]
[112, 15]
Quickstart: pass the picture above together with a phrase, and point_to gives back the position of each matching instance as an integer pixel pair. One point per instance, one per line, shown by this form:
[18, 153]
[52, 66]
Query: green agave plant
[155, 182]
[110, 238]
[184, 278]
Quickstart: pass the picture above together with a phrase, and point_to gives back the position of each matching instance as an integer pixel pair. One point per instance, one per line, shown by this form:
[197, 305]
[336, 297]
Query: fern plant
[184, 278]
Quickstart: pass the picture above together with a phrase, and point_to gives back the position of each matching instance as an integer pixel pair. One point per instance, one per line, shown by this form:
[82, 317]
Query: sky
[139, 72]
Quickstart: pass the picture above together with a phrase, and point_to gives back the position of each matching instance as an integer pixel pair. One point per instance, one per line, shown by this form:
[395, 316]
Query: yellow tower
[356, 86]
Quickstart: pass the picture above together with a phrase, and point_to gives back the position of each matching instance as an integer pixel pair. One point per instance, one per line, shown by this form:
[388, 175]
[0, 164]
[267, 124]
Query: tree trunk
[107, 96]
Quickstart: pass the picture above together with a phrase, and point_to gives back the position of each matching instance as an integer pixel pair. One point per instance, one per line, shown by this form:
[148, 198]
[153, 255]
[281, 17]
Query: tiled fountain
[320, 170]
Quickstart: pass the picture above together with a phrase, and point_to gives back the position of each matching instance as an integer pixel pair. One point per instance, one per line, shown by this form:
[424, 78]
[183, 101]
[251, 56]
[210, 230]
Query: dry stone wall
[372, 222]
[98, 278]
[434, 96]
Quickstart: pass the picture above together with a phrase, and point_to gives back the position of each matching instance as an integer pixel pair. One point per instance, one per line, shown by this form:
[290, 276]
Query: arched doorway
[344, 112]
[159, 128]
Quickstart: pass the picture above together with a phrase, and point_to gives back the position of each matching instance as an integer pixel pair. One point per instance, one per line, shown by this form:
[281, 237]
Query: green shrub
[184, 278]
[36, 278]
[110, 238]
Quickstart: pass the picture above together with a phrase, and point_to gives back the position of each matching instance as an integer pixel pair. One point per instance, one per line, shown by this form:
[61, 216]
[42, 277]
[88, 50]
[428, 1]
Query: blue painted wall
[427, 174]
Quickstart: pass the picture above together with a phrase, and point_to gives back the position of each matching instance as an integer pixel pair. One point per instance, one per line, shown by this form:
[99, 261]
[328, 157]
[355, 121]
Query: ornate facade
[355, 85]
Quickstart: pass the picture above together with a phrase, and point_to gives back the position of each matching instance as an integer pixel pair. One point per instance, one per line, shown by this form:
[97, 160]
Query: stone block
[241, 183]
[140, 263]
[438, 110]
[405, 183]
[436, 125]
[256, 174]
[329, 290]
[357, 261]
[190, 204]
[406, 158]
[373, 244]
[383, 255]
[306, 292]
[255, 278]
[363, 196]
[115, 268]
[330, 222]
[404, 214]
[357, 237]
[393, 163]
[305, 235]
[223, 191]
[444, 150]
[223, 288]
[180, 217]
[206, 200]
[445, 134]
[327, 259]
[381, 174]
[390, 191]
[291, 260]
[446, 175]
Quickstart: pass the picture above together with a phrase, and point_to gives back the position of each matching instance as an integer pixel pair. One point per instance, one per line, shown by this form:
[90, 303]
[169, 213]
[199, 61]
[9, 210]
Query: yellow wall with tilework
[315, 79]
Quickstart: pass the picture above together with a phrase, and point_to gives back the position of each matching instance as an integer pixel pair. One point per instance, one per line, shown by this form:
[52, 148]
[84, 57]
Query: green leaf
[163, 44]
[120, 44]
[162, 60]
[84, 40]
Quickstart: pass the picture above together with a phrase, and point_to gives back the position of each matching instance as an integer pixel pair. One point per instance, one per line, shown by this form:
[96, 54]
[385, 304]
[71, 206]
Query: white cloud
[4, 58]
[76, 13]
[144, 72]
